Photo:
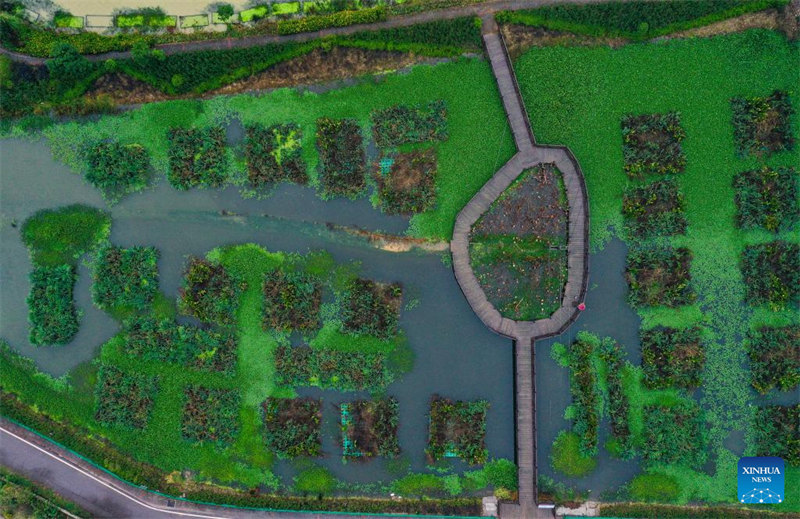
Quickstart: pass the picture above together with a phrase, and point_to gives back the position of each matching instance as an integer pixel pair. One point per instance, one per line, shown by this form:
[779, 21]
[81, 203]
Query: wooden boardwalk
[524, 333]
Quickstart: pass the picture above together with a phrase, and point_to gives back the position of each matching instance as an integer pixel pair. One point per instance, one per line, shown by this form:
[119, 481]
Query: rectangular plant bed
[210, 415]
[651, 144]
[763, 125]
[369, 428]
[672, 358]
[274, 154]
[327, 368]
[292, 426]
[254, 13]
[457, 429]
[659, 276]
[772, 273]
[767, 198]
[402, 124]
[195, 20]
[371, 308]
[64, 20]
[116, 168]
[124, 399]
[197, 157]
[777, 432]
[125, 278]
[655, 209]
[674, 434]
[342, 160]
[775, 358]
[407, 182]
[209, 293]
[291, 301]
[52, 315]
[285, 8]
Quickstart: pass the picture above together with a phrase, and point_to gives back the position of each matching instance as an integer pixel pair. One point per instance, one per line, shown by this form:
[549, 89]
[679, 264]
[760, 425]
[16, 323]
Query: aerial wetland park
[445, 258]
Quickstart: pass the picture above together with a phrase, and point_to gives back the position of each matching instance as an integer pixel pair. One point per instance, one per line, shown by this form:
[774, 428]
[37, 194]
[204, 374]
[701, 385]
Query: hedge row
[657, 511]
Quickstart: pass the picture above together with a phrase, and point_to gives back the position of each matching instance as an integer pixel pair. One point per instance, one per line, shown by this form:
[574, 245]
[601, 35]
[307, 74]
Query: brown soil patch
[769, 19]
[520, 38]
[122, 89]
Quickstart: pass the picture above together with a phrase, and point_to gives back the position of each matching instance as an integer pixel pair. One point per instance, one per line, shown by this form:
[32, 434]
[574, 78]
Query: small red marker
[582, 307]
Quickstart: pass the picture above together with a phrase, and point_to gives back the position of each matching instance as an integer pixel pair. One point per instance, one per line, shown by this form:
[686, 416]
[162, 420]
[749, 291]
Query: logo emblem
[761, 480]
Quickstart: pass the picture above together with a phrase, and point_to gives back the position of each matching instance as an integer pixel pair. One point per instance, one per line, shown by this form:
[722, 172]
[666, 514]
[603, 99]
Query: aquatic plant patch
[371, 308]
[621, 445]
[774, 358]
[776, 430]
[566, 456]
[61, 236]
[651, 144]
[117, 169]
[52, 315]
[210, 415]
[771, 273]
[767, 198]
[209, 292]
[654, 209]
[586, 408]
[659, 276]
[291, 301]
[124, 399]
[457, 429]
[369, 428]
[197, 157]
[125, 278]
[165, 340]
[674, 434]
[326, 368]
[409, 185]
[274, 154]
[672, 357]
[342, 160]
[292, 426]
[402, 124]
[763, 125]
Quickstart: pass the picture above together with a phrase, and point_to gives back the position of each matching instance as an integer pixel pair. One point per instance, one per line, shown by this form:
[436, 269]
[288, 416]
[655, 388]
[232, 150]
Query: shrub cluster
[274, 154]
[197, 157]
[209, 292]
[659, 276]
[651, 144]
[369, 428]
[409, 185]
[117, 169]
[674, 434]
[655, 209]
[672, 357]
[767, 198]
[772, 273]
[775, 358]
[291, 301]
[125, 278]
[292, 426]
[326, 368]
[777, 432]
[587, 404]
[618, 403]
[457, 429]
[124, 399]
[51, 310]
[342, 160]
[401, 124]
[210, 415]
[167, 341]
[763, 125]
[371, 308]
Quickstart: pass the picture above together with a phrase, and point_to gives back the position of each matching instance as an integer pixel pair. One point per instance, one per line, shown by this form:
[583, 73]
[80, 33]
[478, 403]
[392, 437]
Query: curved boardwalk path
[524, 333]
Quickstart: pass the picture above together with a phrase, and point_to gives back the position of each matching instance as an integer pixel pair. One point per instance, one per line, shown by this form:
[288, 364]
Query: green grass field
[577, 96]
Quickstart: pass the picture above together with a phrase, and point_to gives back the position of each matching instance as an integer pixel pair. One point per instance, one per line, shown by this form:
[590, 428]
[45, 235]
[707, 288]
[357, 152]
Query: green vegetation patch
[586, 408]
[254, 13]
[369, 428]
[619, 405]
[651, 144]
[402, 124]
[777, 432]
[328, 368]
[674, 434]
[117, 169]
[148, 17]
[52, 315]
[125, 278]
[209, 292]
[197, 157]
[656, 487]
[457, 429]
[64, 20]
[763, 125]
[61, 236]
[654, 209]
[291, 301]
[371, 308]
[767, 198]
[20, 497]
[124, 399]
[774, 358]
[771, 273]
[659, 276]
[409, 185]
[210, 415]
[567, 458]
[518, 247]
[274, 154]
[672, 357]
[342, 160]
[292, 426]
